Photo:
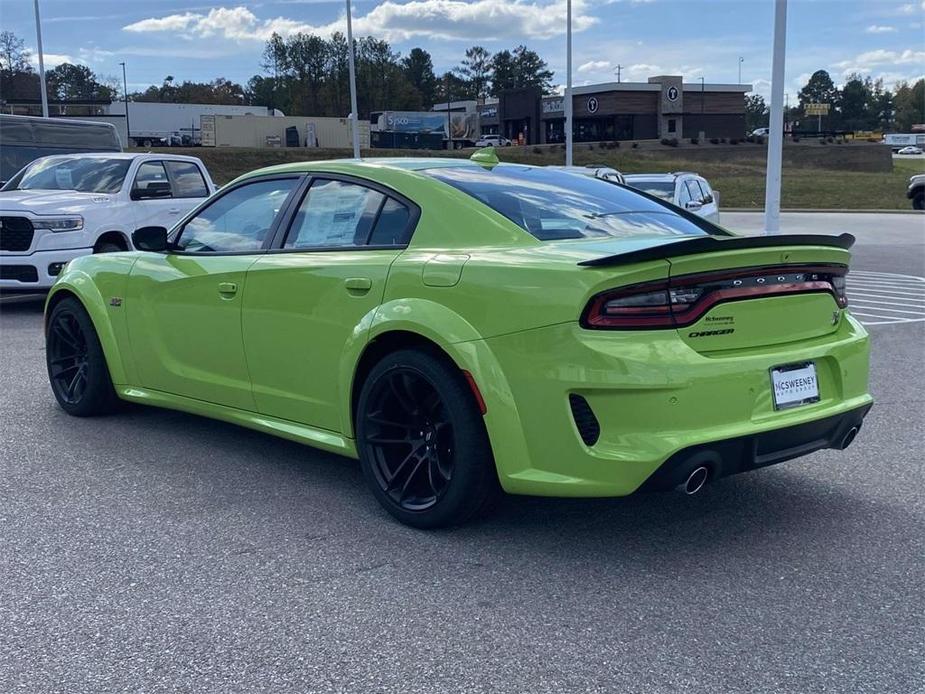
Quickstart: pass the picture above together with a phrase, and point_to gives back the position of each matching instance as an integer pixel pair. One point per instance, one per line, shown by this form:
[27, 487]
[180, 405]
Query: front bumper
[33, 272]
[653, 396]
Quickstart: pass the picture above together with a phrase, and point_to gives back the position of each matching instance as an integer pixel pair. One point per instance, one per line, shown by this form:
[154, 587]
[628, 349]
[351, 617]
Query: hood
[50, 201]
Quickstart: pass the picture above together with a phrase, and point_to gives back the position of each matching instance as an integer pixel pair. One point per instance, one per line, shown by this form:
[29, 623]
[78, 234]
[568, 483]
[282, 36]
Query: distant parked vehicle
[761, 132]
[916, 191]
[682, 188]
[61, 207]
[910, 150]
[492, 141]
[605, 173]
[26, 138]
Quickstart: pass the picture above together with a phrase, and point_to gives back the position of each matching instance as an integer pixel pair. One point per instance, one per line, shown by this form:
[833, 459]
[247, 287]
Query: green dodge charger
[468, 326]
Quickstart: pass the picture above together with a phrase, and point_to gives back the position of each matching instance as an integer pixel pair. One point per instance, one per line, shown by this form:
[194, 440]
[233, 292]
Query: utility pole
[449, 117]
[568, 84]
[354, 115]
[38, 39]
[741, 60]
[619, 72]
[128, 128]
[776, 123]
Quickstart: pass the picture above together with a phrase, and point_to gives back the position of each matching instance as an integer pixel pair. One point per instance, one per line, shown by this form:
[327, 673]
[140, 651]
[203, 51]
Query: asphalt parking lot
[156, 551]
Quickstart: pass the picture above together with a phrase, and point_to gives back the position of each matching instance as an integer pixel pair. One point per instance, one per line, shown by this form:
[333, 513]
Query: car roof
[662, 177]
[122, 155]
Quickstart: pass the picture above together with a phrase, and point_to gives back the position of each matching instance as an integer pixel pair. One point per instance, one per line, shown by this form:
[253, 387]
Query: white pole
[354, 116]
[776, 133]
[568, 84]
[38, 38]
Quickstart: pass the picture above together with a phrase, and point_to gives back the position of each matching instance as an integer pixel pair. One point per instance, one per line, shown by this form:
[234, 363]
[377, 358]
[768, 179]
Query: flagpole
[568, 85]
[38, 38]
[354, 116]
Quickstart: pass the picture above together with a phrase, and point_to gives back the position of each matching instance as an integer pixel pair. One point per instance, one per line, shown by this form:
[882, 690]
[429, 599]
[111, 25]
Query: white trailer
[157, 124]
[897, 141]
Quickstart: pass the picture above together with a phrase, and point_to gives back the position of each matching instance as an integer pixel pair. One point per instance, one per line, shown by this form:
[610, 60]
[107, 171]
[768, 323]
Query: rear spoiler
[708, 244]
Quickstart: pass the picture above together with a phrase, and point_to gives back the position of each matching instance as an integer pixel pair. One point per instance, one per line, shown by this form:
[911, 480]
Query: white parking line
[881, 298]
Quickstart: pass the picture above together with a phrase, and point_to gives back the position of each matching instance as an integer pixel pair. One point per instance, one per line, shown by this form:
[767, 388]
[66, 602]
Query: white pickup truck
[61, 207]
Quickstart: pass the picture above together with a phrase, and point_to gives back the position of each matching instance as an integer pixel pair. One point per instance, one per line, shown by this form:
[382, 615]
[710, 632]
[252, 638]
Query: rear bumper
[744, 453]
[654, 397]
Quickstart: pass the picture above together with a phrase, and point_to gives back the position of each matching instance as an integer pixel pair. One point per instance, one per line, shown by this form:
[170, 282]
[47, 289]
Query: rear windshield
[664, 190]
[83, 174]
[555, 205]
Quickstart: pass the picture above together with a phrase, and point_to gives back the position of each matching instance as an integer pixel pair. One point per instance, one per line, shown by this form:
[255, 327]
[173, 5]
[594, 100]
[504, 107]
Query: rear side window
[393, 228]
[187, 180]
[554, 205]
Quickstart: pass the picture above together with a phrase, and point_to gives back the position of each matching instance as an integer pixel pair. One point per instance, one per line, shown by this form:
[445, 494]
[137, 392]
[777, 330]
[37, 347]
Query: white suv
[492, 141]
[682, 188]
[61, 207]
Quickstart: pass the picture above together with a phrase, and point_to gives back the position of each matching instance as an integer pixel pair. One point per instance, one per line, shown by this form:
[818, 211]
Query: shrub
[829, 139]
[714, 140]
[733, 141]
[537, 150]
[695, 141]
[673, 142]
[821, 140]
[635, 145]
[722, 140]
[796, 138]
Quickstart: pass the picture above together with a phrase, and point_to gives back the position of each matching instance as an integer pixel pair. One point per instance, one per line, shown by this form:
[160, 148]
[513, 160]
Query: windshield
[554, 204]
[663, 190]
[83, 174]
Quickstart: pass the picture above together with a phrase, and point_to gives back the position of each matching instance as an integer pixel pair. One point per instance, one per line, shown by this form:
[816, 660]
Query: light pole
[776, 123]
[128, 129]
[568, 83]
[353, 86]
[741, 60]
[38, 39]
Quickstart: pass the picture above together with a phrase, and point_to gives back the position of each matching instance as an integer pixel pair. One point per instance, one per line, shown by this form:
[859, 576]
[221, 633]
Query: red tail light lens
[684, 300]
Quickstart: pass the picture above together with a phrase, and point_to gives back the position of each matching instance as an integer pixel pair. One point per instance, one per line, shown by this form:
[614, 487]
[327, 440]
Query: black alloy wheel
[76, 364]
[422, 442]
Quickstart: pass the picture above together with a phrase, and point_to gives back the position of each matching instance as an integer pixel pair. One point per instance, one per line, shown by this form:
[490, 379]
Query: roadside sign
[816, 109]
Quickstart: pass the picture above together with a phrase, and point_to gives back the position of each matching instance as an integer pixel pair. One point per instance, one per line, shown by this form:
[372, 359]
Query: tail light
[682, 301]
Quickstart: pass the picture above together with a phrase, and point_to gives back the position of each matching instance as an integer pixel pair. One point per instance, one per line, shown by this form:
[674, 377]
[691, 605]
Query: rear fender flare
[460, 341]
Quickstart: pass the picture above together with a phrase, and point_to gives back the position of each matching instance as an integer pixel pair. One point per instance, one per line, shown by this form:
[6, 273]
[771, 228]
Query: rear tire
[422, 442]
[77, 368]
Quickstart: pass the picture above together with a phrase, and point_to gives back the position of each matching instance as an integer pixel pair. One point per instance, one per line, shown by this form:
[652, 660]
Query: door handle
[227, 288]
[360, 285]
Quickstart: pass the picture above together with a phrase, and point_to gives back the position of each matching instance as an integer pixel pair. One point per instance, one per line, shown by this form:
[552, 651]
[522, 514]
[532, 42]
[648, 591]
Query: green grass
[740, 183]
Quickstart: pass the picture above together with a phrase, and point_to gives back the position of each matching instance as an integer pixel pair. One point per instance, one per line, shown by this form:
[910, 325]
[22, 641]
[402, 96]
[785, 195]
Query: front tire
[77, 368]
[422, 443]
[918, 202]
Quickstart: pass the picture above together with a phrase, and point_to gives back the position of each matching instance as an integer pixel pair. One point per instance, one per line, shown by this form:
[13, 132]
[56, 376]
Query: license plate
[794, 385]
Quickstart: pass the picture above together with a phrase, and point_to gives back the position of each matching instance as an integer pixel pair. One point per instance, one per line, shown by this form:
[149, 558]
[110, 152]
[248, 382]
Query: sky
[693, 38]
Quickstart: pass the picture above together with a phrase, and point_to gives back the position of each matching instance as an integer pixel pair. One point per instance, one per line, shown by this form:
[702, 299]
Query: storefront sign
[553, 106]
[593, 104]
[672, 93]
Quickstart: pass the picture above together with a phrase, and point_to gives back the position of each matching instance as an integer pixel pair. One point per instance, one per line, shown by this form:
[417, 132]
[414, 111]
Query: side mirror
[150, 239]
[693, 205]
[157, 189]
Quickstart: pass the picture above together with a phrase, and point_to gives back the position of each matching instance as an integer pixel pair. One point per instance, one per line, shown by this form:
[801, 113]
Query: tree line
[861, 103]
[305, 74]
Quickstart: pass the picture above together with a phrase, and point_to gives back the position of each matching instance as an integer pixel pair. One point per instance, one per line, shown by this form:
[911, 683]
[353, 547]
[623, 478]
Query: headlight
[75, 223]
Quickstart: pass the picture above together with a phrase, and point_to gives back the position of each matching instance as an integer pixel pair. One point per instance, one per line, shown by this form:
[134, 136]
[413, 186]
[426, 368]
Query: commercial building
[663, 107]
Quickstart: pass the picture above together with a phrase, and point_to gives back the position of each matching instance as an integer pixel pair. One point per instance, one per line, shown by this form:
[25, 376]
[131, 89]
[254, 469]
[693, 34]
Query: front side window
[83, 174]
[152, 176]
[187, 180]
[552, 204]
[238, 221]
[684, 194]
[334, 214]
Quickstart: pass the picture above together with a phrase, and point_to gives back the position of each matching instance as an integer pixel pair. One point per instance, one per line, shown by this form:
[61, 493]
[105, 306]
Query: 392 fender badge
[115, 301]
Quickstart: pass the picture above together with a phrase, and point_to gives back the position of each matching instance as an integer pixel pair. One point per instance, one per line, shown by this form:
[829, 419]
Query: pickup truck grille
[20, 273]
[15, 234]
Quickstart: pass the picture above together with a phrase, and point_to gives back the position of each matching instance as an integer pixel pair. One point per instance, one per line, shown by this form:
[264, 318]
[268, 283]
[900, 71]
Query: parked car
[605, 173]
[26, 138]
[761, 132]
[916, 191]
[459, 325]
[492, 141]
[682, 188]
[61, 207]
[910, 150]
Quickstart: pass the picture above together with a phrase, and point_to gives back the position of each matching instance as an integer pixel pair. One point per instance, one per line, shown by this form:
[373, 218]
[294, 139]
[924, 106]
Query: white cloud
[593, 65]
[53, 59]
[879, 29]
[863, 62]
[435, 19]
